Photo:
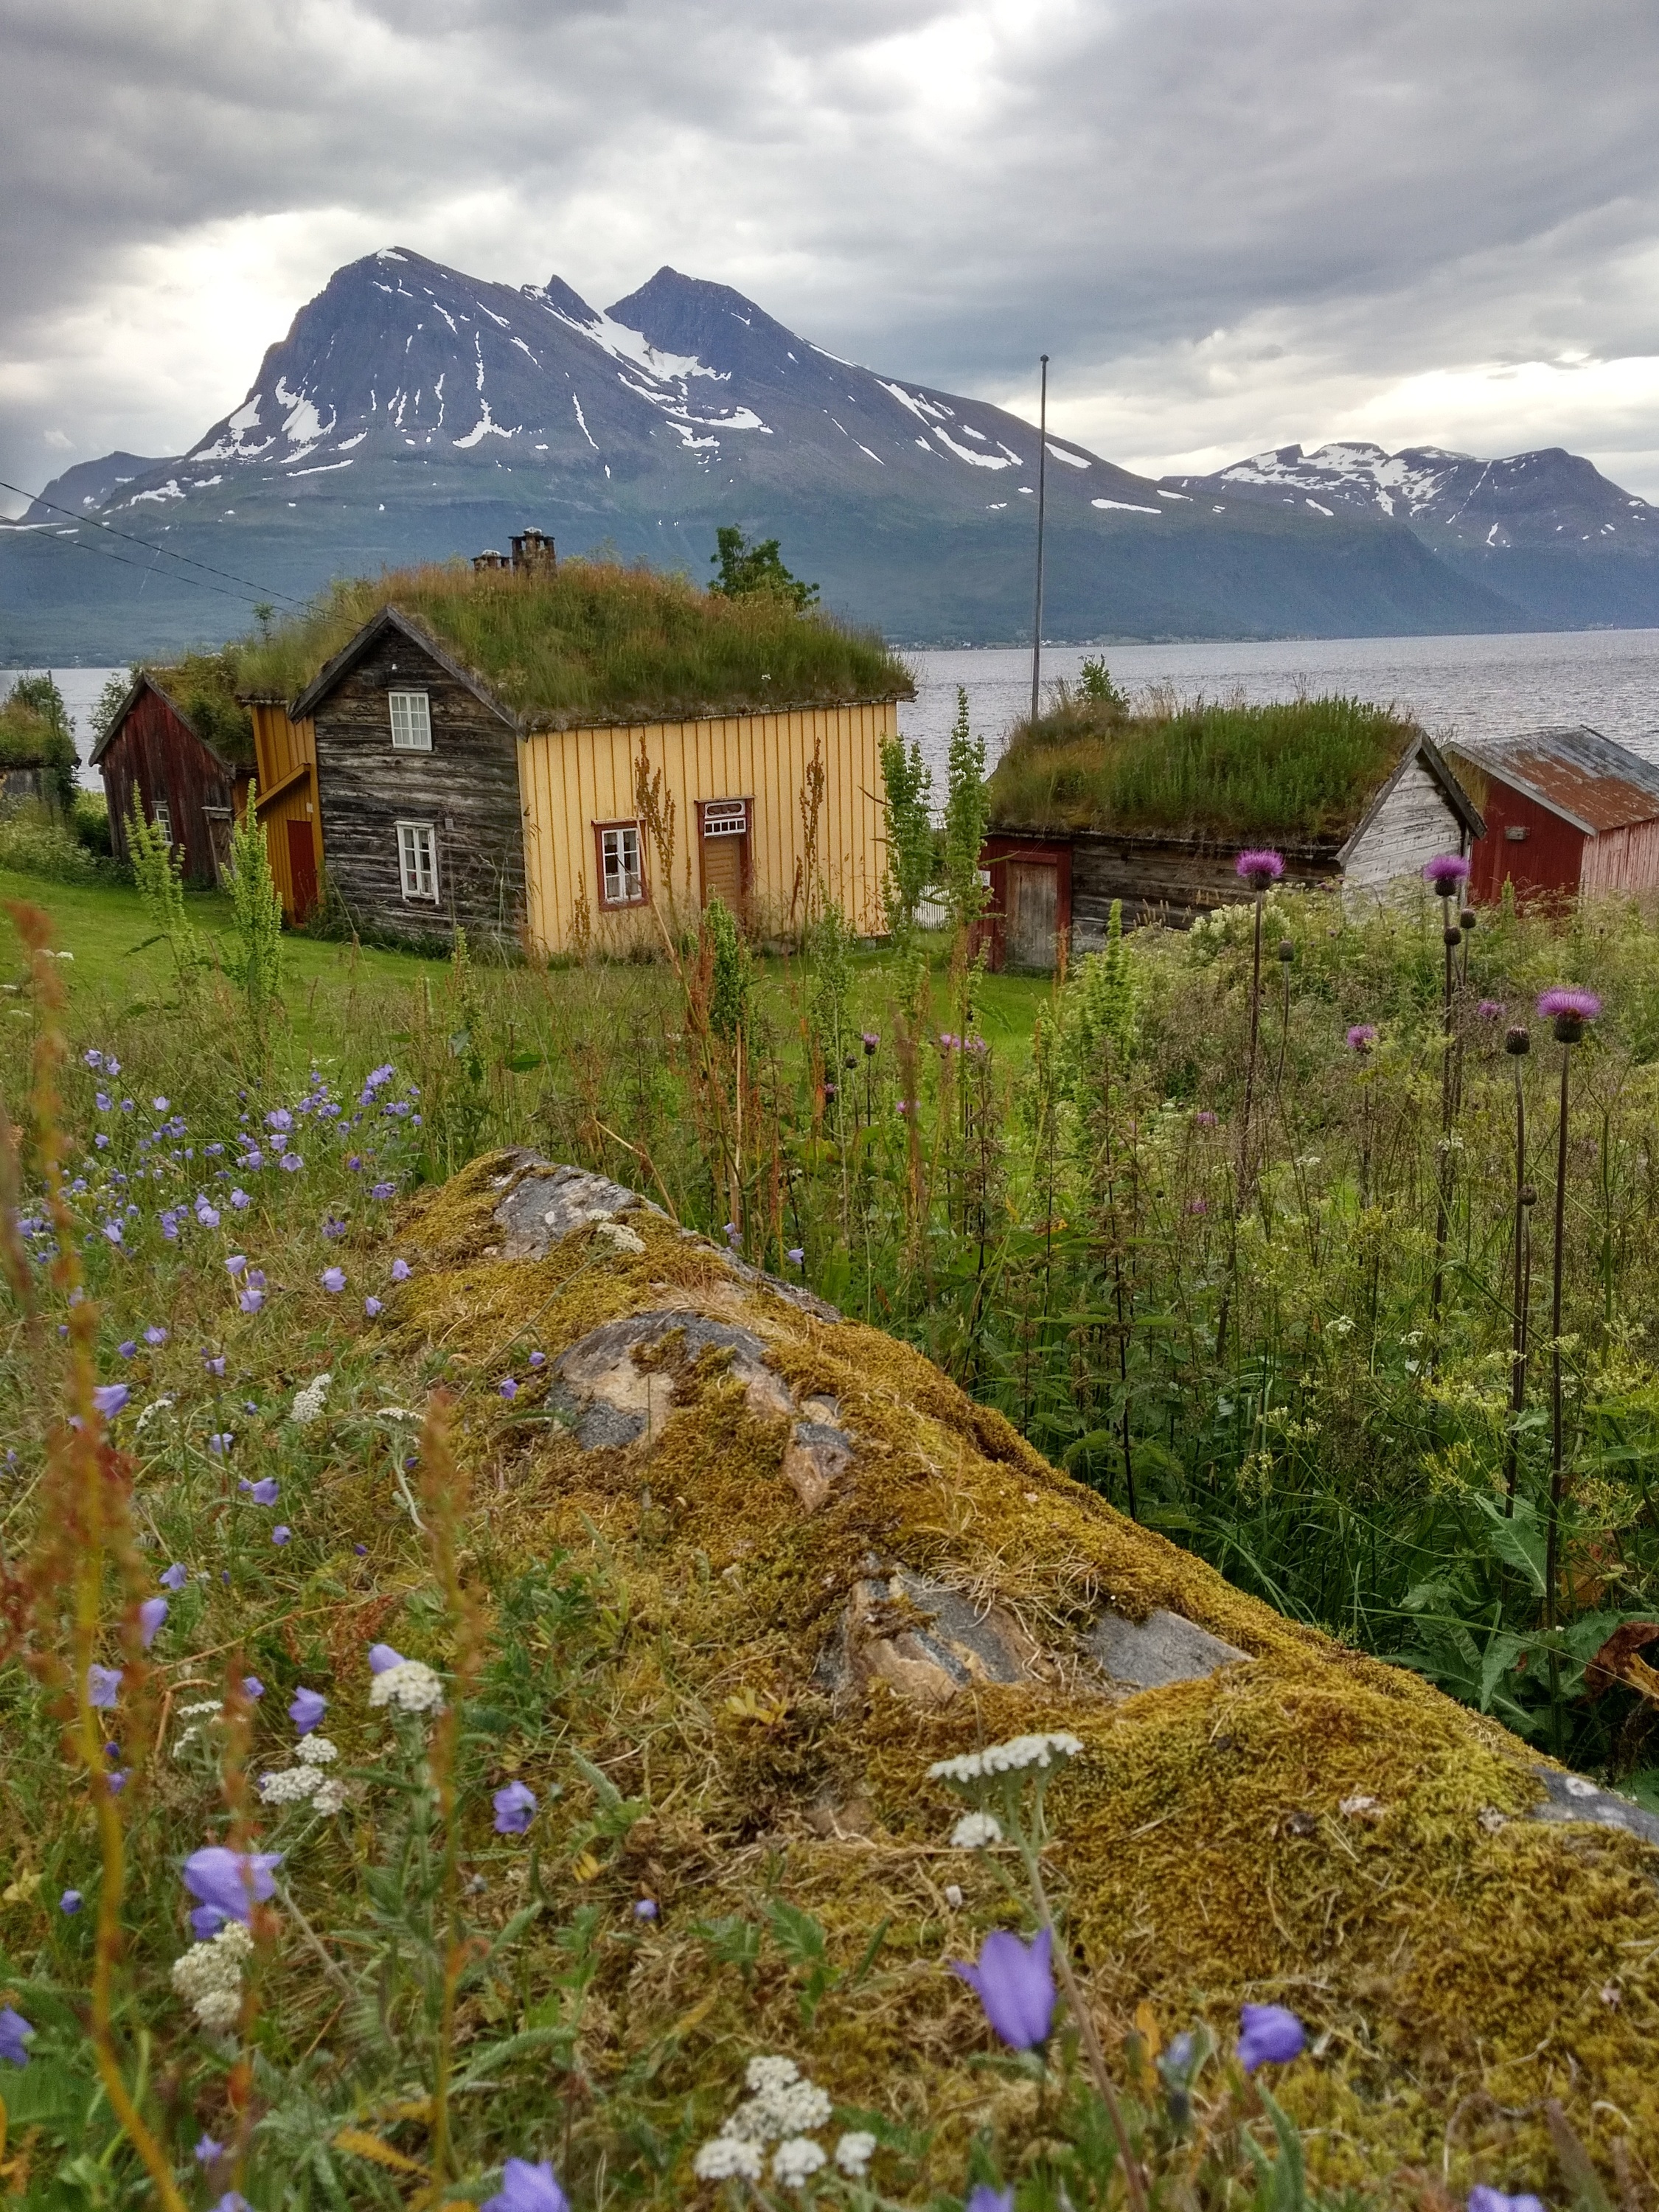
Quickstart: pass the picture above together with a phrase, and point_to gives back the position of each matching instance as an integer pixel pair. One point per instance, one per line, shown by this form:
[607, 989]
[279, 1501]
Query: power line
[100, 553]
[264, 590]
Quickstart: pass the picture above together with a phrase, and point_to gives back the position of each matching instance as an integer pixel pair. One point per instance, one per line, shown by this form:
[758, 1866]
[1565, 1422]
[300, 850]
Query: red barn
[183, 746]
[1566, 811]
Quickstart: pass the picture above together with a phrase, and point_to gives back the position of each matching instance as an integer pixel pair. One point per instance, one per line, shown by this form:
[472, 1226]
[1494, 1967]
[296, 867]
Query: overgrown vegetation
[35, 730]
[592, 641]
[1303, 770]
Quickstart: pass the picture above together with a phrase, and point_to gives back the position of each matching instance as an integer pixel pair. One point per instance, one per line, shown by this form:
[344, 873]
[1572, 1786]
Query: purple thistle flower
[1269, 2035]
[1361, 1037]
[1570, 1009]
[103, 1686]
[151, 1614]
[1491, 1010]
[1015, 1983]
[515, 1808]
[1444, 874]
[111, 1398]
[871, 1040]
[306, 1708]
[1206, 1119]
[175, 1576]
[231, 1883]
[1258, 867]
[14, 2031]
[526, 2188]
[382, 1655]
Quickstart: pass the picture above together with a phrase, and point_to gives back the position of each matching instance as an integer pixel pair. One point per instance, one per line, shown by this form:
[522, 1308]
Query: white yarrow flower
[208, 1977]
[316, 1751]
[725, 2158]
[975, 1830]
[770, 2074]
[289, 1785]
[854, 2154]
[309, 1402]
[328, 1795]
[1011, 1758]
[793, 2163]
[410, 1686]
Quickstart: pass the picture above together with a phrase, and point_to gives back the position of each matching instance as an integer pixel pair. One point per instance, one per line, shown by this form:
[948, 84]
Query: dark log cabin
[187, 755]
[417, 778]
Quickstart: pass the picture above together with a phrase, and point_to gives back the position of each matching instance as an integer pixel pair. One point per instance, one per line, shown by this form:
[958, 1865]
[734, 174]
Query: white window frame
[160, 815]
[725, 817]
[621, 863]
[411, 721]
[415, 838]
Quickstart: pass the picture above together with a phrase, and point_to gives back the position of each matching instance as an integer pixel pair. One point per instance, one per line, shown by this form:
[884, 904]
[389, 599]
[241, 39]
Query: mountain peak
[711, 323]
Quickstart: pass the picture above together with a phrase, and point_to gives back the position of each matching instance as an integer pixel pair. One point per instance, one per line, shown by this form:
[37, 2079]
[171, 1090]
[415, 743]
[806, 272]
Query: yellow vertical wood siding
[572, 779]
[282, 749]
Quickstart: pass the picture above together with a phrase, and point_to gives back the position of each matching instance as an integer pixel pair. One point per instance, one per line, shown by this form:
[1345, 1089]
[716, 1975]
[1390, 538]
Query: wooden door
[302, 868]
[725, 869]
[1033, 900]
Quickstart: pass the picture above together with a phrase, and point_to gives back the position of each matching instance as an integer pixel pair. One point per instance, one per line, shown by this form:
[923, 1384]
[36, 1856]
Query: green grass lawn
[118, 971]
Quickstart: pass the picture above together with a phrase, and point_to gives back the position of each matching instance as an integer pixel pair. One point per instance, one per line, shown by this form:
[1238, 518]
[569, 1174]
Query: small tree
[966, 811]
[256, 907]
[39, 697]
[912, 853]
[747, 571]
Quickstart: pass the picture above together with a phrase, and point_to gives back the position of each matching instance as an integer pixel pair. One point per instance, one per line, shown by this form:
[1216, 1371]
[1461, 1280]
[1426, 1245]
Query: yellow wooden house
[435, 801]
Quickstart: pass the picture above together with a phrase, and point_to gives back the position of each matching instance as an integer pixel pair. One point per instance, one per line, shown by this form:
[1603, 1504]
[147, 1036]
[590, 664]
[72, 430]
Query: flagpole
[1042, 486]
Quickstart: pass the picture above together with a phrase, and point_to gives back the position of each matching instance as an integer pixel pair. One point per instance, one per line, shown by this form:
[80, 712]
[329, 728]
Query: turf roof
[1303, 771]
[592, 641]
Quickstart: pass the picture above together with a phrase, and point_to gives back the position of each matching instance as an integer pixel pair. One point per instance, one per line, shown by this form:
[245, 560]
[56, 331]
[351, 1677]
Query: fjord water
[1466, 687]
[1456, 686]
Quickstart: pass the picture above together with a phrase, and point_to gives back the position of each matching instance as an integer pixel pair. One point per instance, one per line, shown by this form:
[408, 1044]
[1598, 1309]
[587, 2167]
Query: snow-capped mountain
[1547, 530]
[412, 412]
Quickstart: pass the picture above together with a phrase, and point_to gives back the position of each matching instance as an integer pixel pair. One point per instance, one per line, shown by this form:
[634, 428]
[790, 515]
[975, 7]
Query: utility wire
[264, 590]
[100, 553]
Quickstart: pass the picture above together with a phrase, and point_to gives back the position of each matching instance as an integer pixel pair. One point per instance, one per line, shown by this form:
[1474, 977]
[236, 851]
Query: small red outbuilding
[1567, 812]
[157, 749]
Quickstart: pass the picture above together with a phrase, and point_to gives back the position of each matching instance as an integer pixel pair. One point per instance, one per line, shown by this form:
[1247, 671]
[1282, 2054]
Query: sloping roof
[1451, 790]
[149, 679]
[328, 679]
[1576, 772]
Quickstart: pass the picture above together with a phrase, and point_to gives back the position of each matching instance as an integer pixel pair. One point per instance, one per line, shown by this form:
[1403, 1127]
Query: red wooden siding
[1544, 863]
[160, 755]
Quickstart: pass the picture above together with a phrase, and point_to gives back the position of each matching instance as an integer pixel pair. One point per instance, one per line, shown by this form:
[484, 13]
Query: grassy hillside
[592, 641]
[1302, 772]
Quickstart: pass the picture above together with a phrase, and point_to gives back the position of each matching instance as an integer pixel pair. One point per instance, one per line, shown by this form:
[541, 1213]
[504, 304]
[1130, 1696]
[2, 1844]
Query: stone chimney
[532, 550]
[483, 562]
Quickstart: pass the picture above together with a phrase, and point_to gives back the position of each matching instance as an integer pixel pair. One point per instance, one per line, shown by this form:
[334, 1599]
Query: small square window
[417, 859]
[160, 815]
[622, 873]
[412, 722]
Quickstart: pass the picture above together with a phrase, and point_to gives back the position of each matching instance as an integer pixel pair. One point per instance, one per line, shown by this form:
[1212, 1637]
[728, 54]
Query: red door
[302, 868]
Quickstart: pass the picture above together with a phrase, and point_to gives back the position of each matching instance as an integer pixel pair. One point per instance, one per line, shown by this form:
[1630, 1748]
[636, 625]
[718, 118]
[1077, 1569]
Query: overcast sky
[1232, 223]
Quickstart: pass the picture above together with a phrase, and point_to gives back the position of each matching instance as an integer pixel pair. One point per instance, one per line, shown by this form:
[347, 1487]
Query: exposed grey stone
[924, 1640]
[545, 1204]
[610, 1398]
[816, 1457]
[1572, 1797]
[1148, 1654]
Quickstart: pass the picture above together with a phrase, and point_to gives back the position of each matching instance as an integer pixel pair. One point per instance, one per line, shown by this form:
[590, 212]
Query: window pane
[411, 721]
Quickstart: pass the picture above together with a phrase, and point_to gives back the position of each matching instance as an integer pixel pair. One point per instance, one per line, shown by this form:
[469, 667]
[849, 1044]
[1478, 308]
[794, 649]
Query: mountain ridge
[411, 412]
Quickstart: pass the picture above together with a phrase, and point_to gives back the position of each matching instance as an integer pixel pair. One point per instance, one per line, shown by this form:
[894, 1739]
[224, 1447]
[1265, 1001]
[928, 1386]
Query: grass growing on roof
[591, 640]
[1303, 770]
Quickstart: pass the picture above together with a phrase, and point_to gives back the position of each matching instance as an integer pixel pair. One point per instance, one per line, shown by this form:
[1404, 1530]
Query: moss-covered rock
[838, 1568]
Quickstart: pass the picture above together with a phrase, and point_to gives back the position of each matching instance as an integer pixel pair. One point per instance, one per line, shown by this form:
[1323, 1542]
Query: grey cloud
[932, 189]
